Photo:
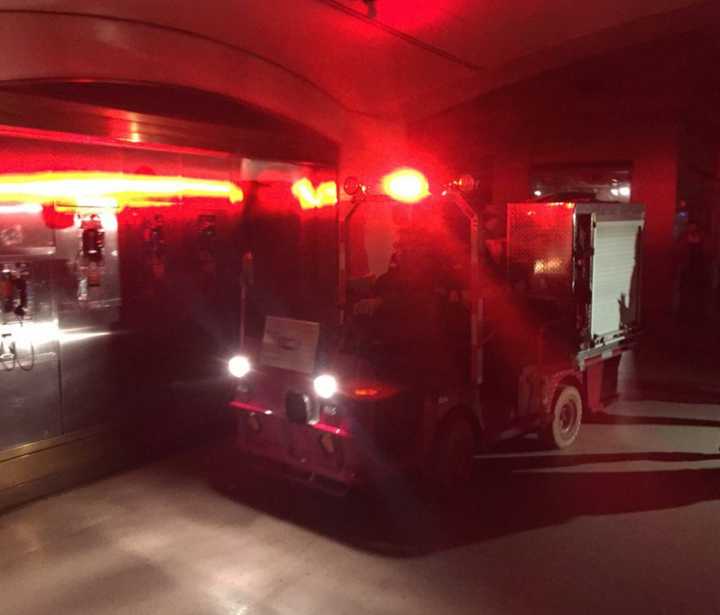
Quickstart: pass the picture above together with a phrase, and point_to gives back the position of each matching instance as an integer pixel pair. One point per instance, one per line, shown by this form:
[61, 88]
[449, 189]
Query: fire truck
[413, 341]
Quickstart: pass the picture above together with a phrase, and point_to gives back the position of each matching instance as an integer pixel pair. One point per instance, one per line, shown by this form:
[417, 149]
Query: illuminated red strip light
[89, 190]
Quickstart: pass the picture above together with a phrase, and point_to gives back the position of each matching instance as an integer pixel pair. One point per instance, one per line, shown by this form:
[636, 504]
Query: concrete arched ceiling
[323, 61]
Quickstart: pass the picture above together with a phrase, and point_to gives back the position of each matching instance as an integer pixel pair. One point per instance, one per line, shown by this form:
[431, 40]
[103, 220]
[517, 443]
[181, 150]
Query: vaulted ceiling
[412, 58]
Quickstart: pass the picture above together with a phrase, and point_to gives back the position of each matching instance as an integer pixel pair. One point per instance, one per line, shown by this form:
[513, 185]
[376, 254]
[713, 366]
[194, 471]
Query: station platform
[628, 507]
[34, 470]
[677, 362]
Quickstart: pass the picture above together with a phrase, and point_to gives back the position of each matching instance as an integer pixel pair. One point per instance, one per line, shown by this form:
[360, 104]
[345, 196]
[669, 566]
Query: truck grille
[297, 407]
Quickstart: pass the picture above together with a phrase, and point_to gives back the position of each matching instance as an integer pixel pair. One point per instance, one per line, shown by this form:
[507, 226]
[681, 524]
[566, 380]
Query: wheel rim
[567, 418]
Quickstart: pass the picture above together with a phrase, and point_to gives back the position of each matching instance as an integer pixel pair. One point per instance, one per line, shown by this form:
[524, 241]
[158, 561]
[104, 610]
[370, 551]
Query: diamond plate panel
[540, 240]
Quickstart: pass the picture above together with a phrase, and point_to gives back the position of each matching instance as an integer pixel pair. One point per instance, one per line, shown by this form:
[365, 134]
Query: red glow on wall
[310, 197]
[94, 190]
[406, 185]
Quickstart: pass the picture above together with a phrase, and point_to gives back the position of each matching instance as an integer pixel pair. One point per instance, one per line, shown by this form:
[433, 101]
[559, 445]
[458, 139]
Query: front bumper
[319, 455]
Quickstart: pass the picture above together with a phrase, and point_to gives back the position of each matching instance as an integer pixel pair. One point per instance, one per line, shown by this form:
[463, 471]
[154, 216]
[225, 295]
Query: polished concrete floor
[627, 522]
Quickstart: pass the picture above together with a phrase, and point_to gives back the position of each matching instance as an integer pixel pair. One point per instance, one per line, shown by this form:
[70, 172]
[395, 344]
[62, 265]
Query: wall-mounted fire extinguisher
[91, 259]
[155, 247]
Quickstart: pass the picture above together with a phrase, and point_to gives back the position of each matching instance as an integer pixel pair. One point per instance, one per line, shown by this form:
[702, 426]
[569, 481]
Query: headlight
[239, 366]
[325, 386]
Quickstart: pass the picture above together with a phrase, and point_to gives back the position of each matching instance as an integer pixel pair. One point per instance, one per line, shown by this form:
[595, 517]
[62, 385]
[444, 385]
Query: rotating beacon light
[406, 185]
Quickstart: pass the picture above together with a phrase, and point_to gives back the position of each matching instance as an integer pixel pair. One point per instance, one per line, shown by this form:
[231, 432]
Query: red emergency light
[406, 185]
[310, 197]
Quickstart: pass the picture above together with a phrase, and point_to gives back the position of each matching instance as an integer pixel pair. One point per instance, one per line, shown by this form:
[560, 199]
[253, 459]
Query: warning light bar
[325, 195]
[406, 185]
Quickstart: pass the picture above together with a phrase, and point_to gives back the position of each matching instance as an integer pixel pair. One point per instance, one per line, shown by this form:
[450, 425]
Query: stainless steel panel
[539, 247]
[105, 346]
[29, 387]
[88, 297]
[88, 321]
[29, 384]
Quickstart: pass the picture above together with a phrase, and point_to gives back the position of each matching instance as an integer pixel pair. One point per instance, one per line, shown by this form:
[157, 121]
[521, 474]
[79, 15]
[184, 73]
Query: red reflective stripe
[249, 407]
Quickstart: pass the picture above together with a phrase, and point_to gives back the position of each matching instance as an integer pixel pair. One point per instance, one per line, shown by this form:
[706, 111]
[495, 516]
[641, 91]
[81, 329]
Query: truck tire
[567, 414]
[450, 465]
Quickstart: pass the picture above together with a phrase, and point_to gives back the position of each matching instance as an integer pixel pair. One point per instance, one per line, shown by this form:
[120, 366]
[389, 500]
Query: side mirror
[466, 183]
[248, 269]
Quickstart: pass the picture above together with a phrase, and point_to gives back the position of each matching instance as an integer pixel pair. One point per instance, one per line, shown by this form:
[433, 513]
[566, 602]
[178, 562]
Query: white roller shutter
[615, 277]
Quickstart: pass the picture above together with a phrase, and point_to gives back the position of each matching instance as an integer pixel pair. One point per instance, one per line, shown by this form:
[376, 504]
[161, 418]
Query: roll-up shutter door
[615, 277]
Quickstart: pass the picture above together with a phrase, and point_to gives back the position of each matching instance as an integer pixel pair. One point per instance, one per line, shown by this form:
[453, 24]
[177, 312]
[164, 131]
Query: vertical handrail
[476, 299]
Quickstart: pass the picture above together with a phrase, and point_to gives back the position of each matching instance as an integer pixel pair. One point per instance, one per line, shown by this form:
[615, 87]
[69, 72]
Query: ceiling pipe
[370, 19]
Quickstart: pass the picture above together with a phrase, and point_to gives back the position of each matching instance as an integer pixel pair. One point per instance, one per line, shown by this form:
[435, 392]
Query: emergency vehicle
[441, 341]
